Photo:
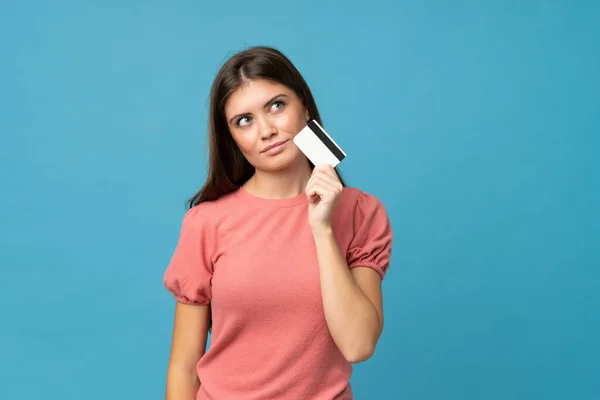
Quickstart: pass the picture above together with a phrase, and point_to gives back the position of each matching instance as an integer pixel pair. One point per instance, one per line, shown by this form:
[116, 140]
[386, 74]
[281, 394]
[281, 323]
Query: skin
[259, 114]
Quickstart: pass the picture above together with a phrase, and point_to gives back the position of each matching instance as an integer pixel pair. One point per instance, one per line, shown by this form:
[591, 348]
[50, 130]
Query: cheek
[246, 141]
[291, 122]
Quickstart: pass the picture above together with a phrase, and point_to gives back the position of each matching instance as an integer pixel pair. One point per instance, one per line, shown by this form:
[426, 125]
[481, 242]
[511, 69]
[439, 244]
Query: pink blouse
[254, 261]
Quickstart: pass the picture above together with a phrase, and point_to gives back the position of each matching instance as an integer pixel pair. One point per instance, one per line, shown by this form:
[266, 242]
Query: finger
[314, 193]
[327, 169]
[327, 182]
[334, 184]
[314, 187]
[318, 189]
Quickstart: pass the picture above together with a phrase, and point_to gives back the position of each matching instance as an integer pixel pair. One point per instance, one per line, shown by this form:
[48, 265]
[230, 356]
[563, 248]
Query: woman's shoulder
[209, 209]
[361, 205]
[355, 197]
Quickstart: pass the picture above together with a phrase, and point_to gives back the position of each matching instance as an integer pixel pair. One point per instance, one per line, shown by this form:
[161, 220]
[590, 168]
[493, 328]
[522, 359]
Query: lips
[273, 145]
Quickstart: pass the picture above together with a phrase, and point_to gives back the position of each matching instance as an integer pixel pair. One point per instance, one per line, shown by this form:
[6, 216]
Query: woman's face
[263, 117]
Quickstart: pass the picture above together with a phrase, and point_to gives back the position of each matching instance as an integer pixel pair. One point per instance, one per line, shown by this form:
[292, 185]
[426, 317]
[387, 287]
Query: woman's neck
[279, 184]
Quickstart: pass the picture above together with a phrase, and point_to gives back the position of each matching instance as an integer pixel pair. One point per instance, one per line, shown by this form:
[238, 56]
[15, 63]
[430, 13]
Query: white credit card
[318, 146]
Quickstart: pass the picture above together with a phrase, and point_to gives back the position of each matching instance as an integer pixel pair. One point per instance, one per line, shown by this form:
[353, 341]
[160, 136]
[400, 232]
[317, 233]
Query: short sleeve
[189, 273]
[371, 245]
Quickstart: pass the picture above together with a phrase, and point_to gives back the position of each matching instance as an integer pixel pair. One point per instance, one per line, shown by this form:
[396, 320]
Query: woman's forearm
[182, 383]
[351, 317]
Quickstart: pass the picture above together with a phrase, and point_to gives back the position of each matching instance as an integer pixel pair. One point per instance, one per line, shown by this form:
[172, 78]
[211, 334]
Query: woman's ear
[306, 114]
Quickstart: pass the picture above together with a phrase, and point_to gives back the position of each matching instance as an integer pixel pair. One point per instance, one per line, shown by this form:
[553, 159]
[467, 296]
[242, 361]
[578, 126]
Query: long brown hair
[228, 169]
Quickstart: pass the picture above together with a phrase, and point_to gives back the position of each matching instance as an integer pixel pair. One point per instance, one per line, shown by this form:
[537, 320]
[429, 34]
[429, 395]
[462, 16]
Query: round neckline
[296, 200]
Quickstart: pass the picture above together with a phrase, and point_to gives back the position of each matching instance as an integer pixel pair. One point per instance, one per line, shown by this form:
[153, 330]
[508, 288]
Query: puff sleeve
[371, 245]
[189, 272]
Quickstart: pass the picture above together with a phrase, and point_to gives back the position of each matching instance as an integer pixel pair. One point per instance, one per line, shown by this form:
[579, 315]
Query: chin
[281, 163]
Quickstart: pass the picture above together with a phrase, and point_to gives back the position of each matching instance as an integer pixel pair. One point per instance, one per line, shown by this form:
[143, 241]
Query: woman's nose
[267, 129]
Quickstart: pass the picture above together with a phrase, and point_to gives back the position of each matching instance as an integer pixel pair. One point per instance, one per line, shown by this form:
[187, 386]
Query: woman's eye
[278, 105]
[243, 121]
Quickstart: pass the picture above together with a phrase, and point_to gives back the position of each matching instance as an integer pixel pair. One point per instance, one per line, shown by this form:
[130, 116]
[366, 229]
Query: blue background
[477, 124]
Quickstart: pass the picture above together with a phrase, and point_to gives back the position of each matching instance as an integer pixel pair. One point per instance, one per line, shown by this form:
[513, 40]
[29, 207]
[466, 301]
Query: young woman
[276, 257]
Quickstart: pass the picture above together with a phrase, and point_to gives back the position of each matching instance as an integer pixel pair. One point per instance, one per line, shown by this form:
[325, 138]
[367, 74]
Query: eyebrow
[266, 104]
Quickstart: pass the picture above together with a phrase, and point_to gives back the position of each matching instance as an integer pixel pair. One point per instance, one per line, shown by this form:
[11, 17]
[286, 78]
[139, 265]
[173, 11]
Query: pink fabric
[254, 260]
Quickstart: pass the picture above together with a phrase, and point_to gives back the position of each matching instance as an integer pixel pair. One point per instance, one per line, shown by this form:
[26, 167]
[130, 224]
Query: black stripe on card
[326, 141]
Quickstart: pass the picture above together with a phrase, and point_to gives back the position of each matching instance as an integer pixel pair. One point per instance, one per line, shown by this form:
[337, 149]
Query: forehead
[253, 95]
